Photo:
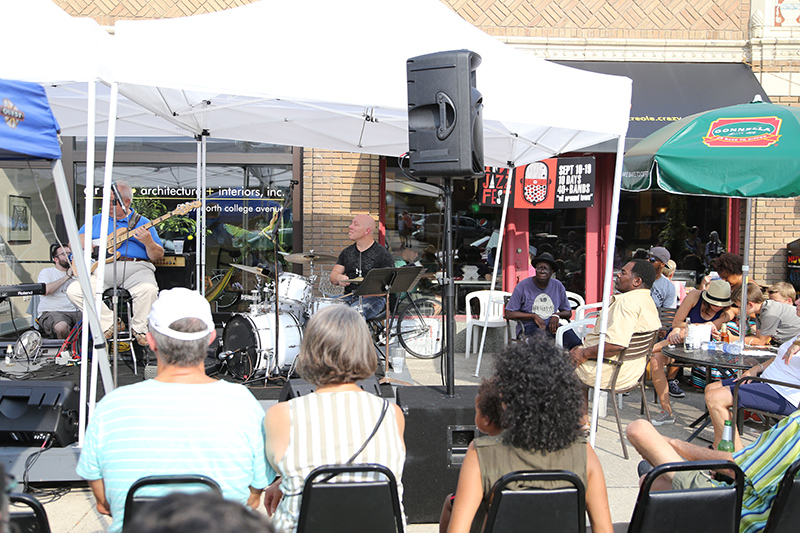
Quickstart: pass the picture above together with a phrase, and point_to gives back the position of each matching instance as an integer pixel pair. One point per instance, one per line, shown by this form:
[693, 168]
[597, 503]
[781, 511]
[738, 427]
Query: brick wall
[775, 226]
[599, 19]
[337, 186]
[106, 12]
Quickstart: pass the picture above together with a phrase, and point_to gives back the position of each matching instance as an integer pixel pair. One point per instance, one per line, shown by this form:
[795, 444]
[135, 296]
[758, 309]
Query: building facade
[763, 34]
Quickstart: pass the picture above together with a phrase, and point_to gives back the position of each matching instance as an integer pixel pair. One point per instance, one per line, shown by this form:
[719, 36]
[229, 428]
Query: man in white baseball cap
[181, 422]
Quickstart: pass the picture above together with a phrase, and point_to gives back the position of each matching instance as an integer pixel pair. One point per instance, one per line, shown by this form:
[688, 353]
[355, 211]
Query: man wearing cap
[632, 311]
[662, 291]
[357, 260]
[57, 314]
[538, 303]
[181, 422]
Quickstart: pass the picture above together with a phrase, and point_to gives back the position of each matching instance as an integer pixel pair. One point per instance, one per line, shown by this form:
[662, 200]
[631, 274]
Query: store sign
[561, 183]
[787, 13]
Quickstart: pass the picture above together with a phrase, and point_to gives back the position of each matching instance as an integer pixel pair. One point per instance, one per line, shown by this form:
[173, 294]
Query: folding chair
[517, 510]
[134, 504]
[334, 502]
[785, 514]
[711, 510]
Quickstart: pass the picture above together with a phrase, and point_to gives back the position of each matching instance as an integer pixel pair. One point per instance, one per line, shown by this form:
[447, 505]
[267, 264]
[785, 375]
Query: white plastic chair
[580, 327]
[495, 311]
[588, 311]
[575, 300]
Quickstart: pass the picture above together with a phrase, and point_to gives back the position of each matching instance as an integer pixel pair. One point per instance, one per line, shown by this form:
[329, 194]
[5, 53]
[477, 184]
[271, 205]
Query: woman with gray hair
[331, 425]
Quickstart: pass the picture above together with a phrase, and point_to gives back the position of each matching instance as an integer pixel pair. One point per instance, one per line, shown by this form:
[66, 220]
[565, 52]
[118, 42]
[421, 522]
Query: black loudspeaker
[445, 115]
[295, 388]
[438, 432]
[31, 411]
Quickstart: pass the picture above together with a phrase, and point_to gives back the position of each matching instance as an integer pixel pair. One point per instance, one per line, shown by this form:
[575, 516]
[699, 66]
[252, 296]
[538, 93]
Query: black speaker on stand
[445, 139]
[438, 431]
[445, 115]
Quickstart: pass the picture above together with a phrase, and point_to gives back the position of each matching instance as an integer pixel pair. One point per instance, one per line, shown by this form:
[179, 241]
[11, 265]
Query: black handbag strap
[374, 431]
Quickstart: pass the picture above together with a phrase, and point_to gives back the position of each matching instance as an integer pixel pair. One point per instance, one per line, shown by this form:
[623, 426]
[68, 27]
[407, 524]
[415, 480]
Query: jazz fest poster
[557, 183]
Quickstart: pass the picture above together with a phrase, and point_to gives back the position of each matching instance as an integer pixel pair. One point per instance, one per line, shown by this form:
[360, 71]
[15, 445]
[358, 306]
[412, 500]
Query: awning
[666, 92]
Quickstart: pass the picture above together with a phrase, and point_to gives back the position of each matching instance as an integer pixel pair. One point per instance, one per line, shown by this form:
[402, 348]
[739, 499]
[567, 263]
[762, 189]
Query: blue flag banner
[28, 128]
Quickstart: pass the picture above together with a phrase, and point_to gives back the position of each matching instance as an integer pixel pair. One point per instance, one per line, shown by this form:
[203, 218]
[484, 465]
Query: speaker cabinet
[438, 432]
[31, 411]
[294, 388]
[445, 115]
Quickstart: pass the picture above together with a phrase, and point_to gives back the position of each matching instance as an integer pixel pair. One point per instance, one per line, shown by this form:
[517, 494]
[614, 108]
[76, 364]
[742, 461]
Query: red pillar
[515, 248]
[734, 223]
[597, 227]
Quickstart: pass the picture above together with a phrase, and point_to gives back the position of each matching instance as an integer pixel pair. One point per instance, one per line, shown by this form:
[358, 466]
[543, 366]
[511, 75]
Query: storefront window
[243, 210]
[29, 218]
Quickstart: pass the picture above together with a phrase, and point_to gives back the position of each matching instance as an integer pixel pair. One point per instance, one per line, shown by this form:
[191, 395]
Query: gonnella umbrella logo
[11, 114]
[752, 131]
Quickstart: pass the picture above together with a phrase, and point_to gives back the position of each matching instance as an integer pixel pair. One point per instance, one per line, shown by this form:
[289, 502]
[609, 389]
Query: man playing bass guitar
[137, 248]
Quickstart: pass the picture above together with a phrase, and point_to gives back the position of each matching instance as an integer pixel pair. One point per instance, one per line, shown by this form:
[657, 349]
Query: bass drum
[249, 342]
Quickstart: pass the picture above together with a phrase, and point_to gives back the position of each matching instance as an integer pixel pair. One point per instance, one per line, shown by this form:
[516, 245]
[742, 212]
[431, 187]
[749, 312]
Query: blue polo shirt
[130, 248]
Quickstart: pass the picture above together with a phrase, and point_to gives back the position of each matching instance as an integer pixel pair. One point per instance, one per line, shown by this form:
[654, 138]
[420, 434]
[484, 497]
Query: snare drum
[321, 303]
[250, 339]
[294, 293]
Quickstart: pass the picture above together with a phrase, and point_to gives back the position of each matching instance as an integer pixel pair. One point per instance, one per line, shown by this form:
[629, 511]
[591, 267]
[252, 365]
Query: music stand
[386, 281]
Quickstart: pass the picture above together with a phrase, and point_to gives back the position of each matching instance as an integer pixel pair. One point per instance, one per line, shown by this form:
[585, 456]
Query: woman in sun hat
[713, 306]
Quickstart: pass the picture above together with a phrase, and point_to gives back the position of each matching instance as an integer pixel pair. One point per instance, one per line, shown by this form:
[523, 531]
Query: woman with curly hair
[541, 422]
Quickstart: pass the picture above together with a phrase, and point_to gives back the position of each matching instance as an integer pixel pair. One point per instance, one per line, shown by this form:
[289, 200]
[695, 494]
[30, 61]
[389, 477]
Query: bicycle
[419, 327]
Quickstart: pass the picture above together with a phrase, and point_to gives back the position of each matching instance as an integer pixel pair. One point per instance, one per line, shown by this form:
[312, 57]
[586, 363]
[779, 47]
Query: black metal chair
[31, 520]
[528, 508]
[785, 514]
[134, 504]
[738, 414]
[331, 505]
[711, 510]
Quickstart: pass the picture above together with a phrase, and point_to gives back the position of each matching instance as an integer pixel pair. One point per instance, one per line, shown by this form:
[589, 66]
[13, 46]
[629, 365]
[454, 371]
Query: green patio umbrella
[742, 151]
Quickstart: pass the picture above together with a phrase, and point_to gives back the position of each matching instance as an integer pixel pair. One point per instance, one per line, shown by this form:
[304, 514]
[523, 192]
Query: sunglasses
[653, 259]
[735, 306]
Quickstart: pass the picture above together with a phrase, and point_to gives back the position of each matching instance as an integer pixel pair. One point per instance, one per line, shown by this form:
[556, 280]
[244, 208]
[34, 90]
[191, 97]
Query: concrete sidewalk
[75, 512]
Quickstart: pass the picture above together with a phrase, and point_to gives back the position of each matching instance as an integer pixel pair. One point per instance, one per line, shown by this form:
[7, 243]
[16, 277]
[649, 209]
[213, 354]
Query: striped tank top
[328, 428]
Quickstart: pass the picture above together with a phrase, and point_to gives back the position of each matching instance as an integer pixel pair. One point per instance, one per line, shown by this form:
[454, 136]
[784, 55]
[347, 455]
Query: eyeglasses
[653, 259]
[543, 268]
[735, 306]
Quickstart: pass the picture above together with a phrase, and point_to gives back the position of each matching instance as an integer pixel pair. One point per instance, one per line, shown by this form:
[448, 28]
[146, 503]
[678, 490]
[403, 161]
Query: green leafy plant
[153, 208]
[675, 232]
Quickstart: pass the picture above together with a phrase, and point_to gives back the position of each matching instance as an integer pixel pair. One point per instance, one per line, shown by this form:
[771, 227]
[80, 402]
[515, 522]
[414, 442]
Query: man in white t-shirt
[785, 367]
[57, 315]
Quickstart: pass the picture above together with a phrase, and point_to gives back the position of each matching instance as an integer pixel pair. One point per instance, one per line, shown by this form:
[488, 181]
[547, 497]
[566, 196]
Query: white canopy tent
[334, 79]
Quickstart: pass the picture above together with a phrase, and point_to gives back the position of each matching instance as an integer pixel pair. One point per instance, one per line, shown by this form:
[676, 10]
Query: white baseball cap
[175, 304]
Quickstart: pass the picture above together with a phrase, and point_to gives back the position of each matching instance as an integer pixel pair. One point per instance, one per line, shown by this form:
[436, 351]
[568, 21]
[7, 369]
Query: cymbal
[253, 270]
[309, 257]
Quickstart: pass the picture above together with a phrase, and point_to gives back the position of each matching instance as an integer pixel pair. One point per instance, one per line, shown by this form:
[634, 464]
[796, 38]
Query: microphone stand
[115, 295]
[277, 323]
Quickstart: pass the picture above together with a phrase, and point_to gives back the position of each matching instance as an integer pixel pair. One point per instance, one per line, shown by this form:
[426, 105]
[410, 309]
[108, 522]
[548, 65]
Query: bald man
[357, 260]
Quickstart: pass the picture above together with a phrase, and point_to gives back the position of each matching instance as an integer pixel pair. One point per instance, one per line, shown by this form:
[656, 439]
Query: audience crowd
[533, 409]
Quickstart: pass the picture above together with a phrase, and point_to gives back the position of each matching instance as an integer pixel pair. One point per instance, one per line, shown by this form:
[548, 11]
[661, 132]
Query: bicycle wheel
[227, 298]
[420, 328]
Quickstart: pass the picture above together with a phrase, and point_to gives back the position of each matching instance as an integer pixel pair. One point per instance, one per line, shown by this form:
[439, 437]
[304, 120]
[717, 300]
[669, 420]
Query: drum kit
[249, 339]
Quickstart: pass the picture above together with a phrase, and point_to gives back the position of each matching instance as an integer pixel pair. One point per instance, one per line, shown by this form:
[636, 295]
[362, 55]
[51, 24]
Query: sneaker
[643, 468]
[663, 418]
[674, 390]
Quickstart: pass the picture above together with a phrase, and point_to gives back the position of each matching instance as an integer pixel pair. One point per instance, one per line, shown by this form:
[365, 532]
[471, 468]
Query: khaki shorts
[693, 479]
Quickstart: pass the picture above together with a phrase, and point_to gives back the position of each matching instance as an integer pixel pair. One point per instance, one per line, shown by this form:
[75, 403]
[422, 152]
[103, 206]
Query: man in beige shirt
[631, 311]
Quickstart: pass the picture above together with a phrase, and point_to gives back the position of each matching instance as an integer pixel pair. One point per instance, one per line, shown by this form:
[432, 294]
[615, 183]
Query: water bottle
[726, 444]
[732, 348]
